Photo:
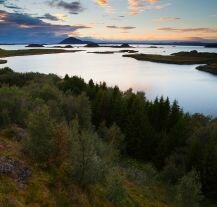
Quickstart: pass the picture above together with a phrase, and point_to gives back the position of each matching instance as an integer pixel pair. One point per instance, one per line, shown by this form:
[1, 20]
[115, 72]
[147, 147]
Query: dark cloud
[9, 5]
[73, 7]
[122, 28]
[12, 6]
[16, 27]
[49, 17]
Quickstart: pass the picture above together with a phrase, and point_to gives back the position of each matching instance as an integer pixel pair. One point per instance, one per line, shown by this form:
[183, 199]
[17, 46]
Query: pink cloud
[138, 6]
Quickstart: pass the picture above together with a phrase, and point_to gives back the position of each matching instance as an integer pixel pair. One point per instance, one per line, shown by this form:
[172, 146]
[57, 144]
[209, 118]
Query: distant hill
[73, 40]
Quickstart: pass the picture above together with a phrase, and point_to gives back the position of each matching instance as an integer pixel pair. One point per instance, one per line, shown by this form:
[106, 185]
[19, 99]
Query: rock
[14, 168]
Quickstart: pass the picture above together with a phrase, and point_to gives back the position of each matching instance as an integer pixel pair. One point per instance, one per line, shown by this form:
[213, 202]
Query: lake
[195, 91]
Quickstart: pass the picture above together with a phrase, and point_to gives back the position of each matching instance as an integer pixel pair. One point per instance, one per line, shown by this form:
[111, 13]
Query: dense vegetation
[96, 137]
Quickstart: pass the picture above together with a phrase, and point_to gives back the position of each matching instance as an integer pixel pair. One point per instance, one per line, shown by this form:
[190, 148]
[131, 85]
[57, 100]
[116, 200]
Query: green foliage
[188, 191]
[79, 107]
[202, 154]
[41, 127]
[13, 106]
[86, 164]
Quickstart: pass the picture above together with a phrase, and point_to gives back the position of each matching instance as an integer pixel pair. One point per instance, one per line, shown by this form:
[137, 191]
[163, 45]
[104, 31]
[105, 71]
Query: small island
[112, 52]
[35, 45]
[3, 61]
[182, 58]
[92, 44]
[63, 47]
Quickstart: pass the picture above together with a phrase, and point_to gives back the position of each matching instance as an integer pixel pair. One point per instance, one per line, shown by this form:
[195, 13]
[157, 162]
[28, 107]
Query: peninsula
[25, 52]
[182, 58]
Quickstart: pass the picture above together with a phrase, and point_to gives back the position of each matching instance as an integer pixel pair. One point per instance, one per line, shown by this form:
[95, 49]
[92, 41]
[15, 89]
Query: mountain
[73, 40]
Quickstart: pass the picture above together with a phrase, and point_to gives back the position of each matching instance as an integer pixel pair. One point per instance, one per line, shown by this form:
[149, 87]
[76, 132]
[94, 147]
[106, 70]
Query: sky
[50, 21]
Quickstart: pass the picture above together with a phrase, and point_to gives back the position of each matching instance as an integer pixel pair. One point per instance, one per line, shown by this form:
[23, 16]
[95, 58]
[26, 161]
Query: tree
[86, 165]
[77, 107]
[40, 144]
[188, 191]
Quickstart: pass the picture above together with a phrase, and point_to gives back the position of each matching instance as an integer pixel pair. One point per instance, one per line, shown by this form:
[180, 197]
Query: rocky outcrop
[14, 168]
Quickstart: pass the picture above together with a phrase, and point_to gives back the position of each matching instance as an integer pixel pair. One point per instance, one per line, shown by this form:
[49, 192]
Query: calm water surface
[195, 91]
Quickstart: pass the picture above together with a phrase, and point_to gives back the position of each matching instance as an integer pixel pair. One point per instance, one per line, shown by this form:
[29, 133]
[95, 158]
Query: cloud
[9, 5]
[138, 6]
[200, 29]
[49, 17]
[169, 19]
[121, 28]
[73, 7]
[16, 27]
[105, 4]
[152, 1]
[102, 2]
